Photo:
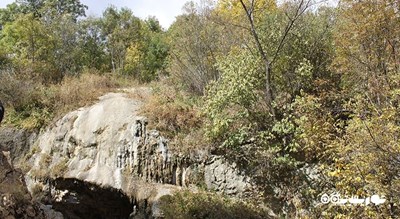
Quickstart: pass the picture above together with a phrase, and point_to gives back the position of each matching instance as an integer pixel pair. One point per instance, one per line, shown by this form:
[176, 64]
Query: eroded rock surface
[108, 145]
[221, 176]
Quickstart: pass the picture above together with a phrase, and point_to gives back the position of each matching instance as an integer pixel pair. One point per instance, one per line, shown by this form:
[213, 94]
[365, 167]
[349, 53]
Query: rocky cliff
[105, 153]
[15, 201]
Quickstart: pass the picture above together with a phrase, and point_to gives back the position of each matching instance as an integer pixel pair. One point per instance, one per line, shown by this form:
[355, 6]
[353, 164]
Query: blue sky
[164, 10]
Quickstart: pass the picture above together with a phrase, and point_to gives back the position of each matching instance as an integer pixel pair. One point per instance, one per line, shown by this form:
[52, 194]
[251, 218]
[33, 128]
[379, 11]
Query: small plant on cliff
[59, 169]
[41, 172]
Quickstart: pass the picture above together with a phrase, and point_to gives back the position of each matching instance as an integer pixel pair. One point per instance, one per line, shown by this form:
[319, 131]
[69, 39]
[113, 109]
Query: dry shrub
[83, 90]
[172, 111]
[20, 94]
[175, 113]
[23, 101]
[59, 169]
[190, 144]
[32, 105]
[86, 88]
[185, 204]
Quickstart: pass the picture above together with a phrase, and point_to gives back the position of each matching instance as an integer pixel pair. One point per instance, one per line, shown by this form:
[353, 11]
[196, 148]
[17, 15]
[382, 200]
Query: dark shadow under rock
[77, 199]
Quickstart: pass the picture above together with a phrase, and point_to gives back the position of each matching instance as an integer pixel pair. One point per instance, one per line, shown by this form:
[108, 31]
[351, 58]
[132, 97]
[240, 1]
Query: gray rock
[223, 177]
[108, 144]
[17, 141]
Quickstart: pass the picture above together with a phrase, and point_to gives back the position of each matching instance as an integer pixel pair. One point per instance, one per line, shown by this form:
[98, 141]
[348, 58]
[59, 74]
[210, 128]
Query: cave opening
[77, 199]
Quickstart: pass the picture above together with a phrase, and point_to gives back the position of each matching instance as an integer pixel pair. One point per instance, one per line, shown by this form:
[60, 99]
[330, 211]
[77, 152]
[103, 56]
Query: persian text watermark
[336, 198]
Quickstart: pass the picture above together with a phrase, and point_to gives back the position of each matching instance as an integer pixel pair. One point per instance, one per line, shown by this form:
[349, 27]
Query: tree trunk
[269, 98]
[268, 89]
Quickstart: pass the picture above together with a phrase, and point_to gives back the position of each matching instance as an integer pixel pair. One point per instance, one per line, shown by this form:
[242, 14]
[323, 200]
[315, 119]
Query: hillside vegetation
[282, 88]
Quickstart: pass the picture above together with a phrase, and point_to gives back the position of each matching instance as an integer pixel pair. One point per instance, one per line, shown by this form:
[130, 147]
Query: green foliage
[53, 8]
[121, 29]
[9, 14]
[146, 59]
[45, 50]
[232, 98]
[273, 148]
[25, 38]
[45, 40]
[334, 79]
[92, 45]
[307, 53]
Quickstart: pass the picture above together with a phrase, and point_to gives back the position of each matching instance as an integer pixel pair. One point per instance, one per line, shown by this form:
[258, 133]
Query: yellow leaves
[364, 39]
[334, 173]
[132, 58]
[367, 153]
[233, 9]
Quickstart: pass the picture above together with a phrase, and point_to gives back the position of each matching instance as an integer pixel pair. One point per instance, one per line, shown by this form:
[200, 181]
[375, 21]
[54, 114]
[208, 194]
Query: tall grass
[31, 104]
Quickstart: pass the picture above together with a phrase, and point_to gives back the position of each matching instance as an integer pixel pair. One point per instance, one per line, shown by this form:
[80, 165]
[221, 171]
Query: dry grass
[176, 115]
[74, 92]
[32, 105]
[185, 204]
[58, 170]
[171, 111]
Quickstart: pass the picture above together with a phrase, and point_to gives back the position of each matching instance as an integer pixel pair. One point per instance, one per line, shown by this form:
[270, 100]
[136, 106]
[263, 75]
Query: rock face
[220, 176]
[15, 201]
[16, 141]
[108, 145]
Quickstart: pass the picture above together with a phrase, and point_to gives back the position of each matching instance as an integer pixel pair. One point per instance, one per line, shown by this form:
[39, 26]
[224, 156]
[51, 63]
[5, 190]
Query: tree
[155, 52]
[40, 36]
[153, 24]
[249, 10]
[367, 150]
[146, 57]
[26, 40]
[9, 14]
[196, 41]
[274, 148]
[121, 30]
[65, 55]
[93, 44]
[53, 8]
[367, 48]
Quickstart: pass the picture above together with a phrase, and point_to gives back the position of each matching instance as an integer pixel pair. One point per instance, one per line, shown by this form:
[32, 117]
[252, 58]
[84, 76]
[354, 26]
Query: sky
[164, 10]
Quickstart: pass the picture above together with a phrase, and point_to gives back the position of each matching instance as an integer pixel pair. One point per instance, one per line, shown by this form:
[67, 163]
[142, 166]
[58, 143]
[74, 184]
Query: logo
[335, 198]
